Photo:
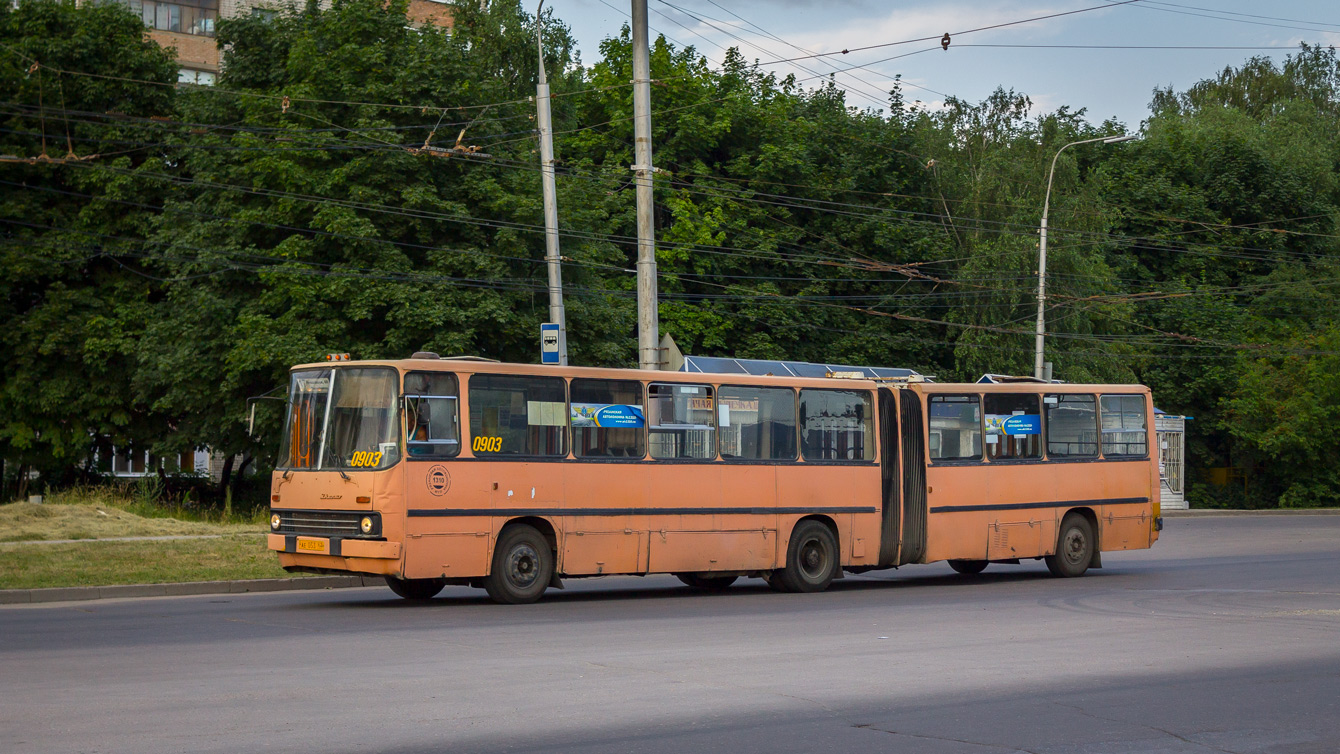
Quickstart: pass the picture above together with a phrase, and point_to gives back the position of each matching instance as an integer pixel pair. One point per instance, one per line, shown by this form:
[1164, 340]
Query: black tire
[710, 583]
[523, 565]
[968, 567]
[811, 560]
[1074, 547]
[417, 590]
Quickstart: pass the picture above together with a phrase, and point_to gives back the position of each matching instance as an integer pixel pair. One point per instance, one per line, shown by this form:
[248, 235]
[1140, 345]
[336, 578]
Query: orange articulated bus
[510, 477]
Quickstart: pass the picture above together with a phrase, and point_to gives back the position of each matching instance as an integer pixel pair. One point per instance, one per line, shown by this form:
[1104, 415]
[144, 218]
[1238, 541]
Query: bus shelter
[1171, 432]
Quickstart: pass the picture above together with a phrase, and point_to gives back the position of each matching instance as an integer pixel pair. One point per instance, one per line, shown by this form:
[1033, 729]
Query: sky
[1107, 82]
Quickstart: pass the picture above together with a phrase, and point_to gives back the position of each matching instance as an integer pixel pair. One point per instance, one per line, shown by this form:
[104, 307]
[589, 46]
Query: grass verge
[26, 522]
[93, 563]
[234, 547]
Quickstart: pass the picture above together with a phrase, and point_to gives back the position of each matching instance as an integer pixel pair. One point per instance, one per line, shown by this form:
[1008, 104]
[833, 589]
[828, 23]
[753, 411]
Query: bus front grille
[323, 523]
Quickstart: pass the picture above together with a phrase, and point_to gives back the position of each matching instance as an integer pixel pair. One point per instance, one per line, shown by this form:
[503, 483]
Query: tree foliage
[357, 184]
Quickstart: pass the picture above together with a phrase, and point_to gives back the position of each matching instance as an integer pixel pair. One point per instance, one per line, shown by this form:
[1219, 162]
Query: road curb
[1203, 512]
[82, 593]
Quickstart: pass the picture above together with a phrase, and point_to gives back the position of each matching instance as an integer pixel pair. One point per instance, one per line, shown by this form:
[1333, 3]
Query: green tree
[73, 309]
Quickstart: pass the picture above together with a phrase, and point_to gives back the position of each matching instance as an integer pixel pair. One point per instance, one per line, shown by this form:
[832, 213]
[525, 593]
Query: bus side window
[955, 428]
[432, 428]
[607, 419]
[681, 421]
[1124, 429]
[1072, 426]
[511, 415]
[836, 425]
[757, 423]
[1013, 426]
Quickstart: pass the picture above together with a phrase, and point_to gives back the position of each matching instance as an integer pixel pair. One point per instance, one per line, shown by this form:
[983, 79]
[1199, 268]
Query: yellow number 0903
[486, 444]
[365, 458]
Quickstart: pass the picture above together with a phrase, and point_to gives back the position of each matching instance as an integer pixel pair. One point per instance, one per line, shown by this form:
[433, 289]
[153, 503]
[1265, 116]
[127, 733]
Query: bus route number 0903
[486, 444]
[366, 458]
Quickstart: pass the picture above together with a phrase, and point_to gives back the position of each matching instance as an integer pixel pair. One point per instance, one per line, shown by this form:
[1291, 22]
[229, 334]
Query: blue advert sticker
[606, 415]
[1023, 424]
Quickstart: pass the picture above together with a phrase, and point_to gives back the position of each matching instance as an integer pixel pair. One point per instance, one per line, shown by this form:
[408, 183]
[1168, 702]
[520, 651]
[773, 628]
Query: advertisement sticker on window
[1014, 424]
[606, 415]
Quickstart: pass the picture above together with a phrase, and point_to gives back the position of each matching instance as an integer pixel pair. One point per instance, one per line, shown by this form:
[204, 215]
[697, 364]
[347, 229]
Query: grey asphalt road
[1223, 638]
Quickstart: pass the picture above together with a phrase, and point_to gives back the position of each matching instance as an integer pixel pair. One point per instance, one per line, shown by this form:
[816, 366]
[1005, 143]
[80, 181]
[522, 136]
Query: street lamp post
[1042, 246]
[553, 260]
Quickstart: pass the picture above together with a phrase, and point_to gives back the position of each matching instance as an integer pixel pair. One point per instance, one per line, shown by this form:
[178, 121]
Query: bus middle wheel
[523, 565]
[416, 589]
[968, 567]
[811, 560]
[710, 583]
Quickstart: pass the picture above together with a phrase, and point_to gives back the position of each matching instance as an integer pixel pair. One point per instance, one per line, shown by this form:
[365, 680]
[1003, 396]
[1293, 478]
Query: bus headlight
[274, 522]
[366, 524]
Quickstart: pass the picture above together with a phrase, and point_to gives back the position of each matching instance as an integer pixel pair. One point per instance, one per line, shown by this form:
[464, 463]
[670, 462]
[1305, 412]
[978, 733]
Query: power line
[1245, 15]
[1155, 7]
[979, 224]
[863, 48]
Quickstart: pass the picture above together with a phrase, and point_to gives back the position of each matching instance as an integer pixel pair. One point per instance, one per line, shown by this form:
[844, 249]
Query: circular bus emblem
[439, 481]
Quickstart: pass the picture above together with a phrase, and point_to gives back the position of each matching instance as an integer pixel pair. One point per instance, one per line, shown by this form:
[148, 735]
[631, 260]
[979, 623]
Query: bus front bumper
[334, 546]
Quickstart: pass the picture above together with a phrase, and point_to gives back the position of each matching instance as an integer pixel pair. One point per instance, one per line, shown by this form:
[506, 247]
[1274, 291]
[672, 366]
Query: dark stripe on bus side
[434, 512]
[1053, 504]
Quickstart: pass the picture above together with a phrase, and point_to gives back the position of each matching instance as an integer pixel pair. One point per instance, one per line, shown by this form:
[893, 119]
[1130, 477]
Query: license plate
[311, 545]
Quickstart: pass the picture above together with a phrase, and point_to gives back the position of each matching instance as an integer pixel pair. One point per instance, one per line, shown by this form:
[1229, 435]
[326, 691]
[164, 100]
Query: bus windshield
[341, 419]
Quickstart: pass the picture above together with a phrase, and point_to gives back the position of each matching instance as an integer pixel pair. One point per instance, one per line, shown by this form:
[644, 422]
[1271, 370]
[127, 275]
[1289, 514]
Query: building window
[955, 428]
[518, 416]
[1013, 427]
[757, 423]
[836, 425]
[1072, 426]
[680, 420]
[1124, 425]
[192, 76]
[607, 419]
[194, 17]
[126, 463]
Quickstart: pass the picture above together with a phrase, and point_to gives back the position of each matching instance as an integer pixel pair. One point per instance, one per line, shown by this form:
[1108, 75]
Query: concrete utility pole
[557, 314]
[648, 324]
[1039, 370]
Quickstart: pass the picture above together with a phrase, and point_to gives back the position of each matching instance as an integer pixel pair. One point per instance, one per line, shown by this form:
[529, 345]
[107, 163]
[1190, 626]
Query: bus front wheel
[523, 565]
[415, 589]
[811, 560]
[968, 567]
[1074, 547]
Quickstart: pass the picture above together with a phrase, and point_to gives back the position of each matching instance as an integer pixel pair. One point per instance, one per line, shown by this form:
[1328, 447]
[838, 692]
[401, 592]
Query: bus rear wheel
[1074, 547]
[968, 567]
[811, 560]
[416, 589]
[523, 565]
[710, 583]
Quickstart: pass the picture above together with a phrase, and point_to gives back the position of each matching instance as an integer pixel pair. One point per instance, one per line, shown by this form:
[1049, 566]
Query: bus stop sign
[548, 343]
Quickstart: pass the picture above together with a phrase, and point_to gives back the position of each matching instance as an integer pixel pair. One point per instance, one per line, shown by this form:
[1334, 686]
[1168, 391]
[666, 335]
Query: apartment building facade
[188, 26]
